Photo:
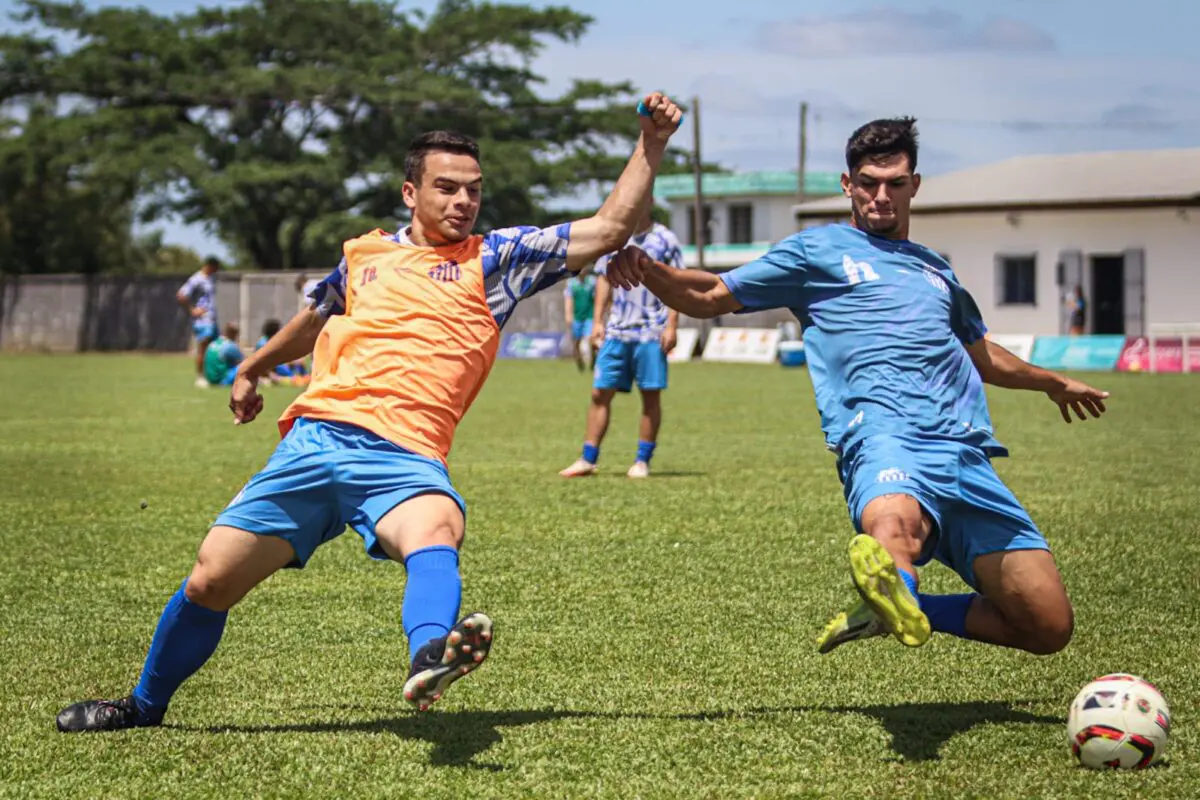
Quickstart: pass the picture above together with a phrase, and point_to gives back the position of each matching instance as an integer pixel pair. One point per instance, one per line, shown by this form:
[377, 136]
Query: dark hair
[881, 139]
[232, 329]
[270, 328]
[212, 261]
[435, 142]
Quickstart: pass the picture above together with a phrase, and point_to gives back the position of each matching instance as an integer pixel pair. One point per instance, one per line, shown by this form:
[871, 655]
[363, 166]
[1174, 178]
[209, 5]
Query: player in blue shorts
[579, 300]
[199, 296]
[295, 372]
[633, 346]
[898, 361]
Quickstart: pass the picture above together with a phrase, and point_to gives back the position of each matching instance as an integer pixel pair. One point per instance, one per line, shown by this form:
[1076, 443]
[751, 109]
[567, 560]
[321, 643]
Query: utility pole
[800, 193]
[698, 227]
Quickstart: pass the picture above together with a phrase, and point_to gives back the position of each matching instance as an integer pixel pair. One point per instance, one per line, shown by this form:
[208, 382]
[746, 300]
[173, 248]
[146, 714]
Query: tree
[282, 124]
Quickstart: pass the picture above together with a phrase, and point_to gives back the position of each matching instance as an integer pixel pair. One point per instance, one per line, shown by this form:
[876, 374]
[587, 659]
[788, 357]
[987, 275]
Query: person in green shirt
[579, 295]
[222, 357]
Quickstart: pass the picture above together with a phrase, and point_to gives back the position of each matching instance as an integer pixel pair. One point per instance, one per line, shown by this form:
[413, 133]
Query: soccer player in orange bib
[403, 334]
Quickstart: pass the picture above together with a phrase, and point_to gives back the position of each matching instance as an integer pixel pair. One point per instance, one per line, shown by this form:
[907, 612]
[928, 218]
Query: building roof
[782, 182]
[1134, 178]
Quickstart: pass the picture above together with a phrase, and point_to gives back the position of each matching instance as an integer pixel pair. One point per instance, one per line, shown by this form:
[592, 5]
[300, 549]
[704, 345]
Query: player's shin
[431, 596]
[186, 637]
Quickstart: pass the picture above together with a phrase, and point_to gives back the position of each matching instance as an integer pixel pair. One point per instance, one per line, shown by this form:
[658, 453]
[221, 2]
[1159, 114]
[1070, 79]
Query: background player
[295, 373]
[222, 357]
[633, 332]
[199, 296]
[579, 297]
[405, 331]
[898, 359]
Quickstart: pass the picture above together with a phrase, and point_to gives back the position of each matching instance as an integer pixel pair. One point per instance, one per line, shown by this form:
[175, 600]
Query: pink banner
[1168, 354]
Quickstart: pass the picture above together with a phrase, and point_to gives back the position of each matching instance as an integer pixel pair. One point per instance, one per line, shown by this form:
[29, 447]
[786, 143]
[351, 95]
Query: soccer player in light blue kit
[634, 338]
[199, 296]
[898, 359]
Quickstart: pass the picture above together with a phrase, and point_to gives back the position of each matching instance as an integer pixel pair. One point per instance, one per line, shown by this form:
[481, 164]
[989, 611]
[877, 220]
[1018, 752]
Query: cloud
[1137, 117]
[889, 30]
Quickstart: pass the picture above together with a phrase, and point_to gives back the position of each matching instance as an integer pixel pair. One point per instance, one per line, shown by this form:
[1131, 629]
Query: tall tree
[282, 124]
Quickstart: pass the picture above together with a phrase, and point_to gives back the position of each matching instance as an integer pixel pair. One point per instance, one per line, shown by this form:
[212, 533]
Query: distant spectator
[199, 296]
[222, 356]
[296, 372]
[1077, 305]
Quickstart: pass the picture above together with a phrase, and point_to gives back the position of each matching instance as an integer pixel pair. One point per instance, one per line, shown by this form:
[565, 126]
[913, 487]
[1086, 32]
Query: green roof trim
[816, 184]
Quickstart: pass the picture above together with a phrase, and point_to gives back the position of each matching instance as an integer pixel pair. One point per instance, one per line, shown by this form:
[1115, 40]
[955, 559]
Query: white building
[1022, 233]
[744, 212]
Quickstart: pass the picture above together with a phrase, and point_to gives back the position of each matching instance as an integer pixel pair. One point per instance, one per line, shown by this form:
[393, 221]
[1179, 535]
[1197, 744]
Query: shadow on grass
[918, 730]
[458, 737]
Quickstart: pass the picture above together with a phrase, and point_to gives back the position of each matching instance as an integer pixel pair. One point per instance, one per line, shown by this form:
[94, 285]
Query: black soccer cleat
[105, 715]
[442, 661]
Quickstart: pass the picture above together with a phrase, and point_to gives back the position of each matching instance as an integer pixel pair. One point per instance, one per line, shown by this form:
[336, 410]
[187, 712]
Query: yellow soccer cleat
[857, 622]
[879, 583]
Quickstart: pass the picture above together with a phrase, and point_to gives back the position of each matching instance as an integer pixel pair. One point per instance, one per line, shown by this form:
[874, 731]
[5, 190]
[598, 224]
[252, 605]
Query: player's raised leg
[1022, 603]
[425, 534]
[230, 563]
[895, 528]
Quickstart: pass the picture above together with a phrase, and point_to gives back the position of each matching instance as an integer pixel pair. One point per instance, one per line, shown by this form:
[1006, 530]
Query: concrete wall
[70, 313]
[1170, 238]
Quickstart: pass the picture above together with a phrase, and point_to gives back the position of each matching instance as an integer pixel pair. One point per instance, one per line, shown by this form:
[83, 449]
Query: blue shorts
[581, 330]
[974, 513]
[204, 331]
[619, 363]
[324, 476]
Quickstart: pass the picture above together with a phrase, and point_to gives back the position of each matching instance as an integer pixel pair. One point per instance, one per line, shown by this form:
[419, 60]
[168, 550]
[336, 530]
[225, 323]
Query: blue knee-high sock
[645, 451]
[591, 452]
[186, 637]
[910, 580]
[431, 596]
[948, 612]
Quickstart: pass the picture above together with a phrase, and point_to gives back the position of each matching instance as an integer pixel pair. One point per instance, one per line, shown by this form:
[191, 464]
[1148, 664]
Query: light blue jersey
[885, 322]
[637, 315]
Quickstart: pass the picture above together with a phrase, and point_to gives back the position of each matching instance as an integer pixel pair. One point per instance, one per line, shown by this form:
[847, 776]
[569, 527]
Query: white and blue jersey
[201, 291]
[636, 314]
[884, 323]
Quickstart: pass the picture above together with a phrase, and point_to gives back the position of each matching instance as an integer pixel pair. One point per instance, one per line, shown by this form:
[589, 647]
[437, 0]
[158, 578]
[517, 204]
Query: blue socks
[431, 596]
[910, 580]
[948, 612]
[645, 451]
[186, 637]
[591, 453]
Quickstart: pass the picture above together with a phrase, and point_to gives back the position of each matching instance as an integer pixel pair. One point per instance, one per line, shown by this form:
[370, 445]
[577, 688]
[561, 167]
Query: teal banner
[1078, 352]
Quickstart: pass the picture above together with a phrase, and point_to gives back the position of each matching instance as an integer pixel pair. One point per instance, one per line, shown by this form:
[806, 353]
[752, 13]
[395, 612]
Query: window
[741, 224]
[692, 224]
[1016, 280]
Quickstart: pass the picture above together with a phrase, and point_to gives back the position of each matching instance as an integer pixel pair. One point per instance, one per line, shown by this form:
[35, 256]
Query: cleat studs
[479, 656]
[466, 648]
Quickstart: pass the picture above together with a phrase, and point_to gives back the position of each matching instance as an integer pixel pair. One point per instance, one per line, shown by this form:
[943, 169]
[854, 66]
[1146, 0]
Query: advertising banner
[531, 345]
[1078, 352]
[743, 345]
[1167, 357]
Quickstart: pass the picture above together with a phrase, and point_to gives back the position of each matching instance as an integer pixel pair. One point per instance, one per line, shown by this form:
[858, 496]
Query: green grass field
[653, 639]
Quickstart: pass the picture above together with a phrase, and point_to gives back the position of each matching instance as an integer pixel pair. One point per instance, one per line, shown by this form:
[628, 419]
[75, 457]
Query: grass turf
[653, 639]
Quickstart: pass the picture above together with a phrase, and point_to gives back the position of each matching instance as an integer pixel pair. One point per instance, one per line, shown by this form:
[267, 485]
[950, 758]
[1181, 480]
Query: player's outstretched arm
[999, 367]
[693, 292]
[630, 199]
[293, 342]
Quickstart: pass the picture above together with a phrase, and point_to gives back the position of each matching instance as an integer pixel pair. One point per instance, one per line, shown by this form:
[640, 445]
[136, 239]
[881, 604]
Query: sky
[986, 79]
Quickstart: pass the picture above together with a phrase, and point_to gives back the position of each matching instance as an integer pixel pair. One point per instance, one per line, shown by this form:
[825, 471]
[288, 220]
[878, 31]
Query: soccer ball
[1119, 721]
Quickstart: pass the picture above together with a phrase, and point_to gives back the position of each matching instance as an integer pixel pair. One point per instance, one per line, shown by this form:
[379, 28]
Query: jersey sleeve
[189, 287]
[328, 298]
[965, 319]
[778, 279]
[519, 262]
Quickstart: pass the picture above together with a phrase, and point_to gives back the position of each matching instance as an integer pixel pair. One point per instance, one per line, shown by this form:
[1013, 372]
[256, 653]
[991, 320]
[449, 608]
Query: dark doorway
[1108, 294]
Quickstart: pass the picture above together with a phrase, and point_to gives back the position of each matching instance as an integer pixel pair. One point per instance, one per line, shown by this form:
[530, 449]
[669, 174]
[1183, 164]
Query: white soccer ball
[1119, 721]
